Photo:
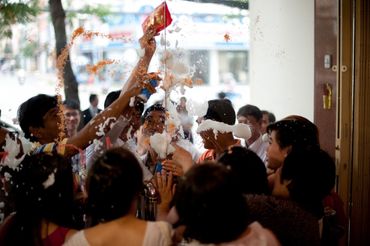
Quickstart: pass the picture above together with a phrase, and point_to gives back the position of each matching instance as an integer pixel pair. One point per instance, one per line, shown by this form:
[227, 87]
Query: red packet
[160, 18]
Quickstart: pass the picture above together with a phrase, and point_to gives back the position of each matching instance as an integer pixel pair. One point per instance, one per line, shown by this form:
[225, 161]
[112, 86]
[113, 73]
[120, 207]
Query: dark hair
[270, 115]
[70, 103]
[113, 183]
[111, 97]
[247, 168]
[36, 200]
[250, 110]
[297, 132]
[291, 224]
[210, 204]
[154, 107]
[32, 111]
[221, 110]
[92, 97]
[312, 175]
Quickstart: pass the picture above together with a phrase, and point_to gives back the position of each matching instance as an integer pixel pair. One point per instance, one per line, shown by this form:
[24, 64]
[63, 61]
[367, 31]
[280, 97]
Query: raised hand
[173, 167]
[166, 190]
[182, 158]
[147, 42]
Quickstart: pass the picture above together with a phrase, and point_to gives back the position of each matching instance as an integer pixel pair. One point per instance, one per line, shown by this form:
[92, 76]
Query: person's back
[291, 224]
[113, 190]
[129, 231]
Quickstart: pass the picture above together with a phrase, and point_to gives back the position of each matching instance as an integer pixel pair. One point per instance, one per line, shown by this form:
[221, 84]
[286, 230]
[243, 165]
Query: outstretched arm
[132, 88]
[147, 42]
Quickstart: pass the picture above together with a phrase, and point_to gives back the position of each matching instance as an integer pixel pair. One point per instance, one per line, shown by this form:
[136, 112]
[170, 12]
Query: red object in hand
[160, 18]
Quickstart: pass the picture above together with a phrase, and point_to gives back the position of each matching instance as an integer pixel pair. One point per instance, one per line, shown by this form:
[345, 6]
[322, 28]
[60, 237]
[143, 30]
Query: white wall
[282, 56]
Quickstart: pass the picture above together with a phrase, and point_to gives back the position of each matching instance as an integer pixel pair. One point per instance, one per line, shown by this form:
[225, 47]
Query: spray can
[145, 93]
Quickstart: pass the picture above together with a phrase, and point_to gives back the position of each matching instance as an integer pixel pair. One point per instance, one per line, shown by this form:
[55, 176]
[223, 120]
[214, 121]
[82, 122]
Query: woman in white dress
[113, 185]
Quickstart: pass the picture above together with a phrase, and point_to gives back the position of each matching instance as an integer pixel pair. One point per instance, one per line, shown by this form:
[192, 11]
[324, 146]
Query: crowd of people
[259, 181]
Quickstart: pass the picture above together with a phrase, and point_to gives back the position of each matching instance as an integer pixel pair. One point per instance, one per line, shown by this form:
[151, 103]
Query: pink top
[257, 236]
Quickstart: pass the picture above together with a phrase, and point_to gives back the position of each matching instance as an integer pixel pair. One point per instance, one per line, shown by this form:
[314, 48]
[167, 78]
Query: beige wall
[282, 56]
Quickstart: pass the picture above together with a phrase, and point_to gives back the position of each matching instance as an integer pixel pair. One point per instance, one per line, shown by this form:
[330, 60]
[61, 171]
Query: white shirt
[259, 147]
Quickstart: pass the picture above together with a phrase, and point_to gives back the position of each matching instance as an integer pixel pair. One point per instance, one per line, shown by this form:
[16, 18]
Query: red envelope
[160, 18]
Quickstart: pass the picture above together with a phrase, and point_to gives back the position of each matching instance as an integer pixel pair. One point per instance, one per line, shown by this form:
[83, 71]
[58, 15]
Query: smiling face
[49, 131]
[275, 153]
[72, 119]
[154, 123]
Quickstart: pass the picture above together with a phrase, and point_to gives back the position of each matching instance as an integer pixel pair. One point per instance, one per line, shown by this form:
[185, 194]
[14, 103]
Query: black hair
[296, 132]
[92, 97]
[312, 176]
[210, 204]
[72, 104]
[250, 110]
[154, 107]
[270, 116]
[221, 110]
[111, 97]
[32, 111]
[247, 168]
[113, 183]
[42, 188]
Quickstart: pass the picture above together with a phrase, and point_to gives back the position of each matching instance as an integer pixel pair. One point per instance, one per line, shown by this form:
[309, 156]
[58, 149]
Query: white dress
[157, 233]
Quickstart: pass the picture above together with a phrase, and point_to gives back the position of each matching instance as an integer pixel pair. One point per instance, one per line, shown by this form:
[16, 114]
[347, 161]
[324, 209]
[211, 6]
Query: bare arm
[131, 88]
[147, 42]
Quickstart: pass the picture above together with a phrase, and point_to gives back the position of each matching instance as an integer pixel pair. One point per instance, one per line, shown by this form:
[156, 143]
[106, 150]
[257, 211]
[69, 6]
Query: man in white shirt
[252, 116]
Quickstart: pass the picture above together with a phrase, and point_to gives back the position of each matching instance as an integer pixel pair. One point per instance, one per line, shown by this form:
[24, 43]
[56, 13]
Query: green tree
[20, 13]
[11, 13]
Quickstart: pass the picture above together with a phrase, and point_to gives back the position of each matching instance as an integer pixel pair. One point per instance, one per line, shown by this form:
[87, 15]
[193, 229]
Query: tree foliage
[12, 12]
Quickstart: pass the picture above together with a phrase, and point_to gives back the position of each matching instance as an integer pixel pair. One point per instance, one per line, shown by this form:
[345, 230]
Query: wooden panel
[326, 34]
[344, 101]
[360, 213]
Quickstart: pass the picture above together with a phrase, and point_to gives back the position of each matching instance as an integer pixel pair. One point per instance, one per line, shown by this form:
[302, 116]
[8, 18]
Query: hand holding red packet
[160, 18]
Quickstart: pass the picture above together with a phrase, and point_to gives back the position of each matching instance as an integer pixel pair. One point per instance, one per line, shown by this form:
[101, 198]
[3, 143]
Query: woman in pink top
[43, 194]
[211, 206]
